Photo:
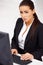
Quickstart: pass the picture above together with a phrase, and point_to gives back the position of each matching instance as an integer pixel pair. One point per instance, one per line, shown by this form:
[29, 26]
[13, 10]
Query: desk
[34, 62]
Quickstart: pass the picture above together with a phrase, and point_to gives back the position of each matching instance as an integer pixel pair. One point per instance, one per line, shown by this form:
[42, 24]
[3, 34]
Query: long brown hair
[36, 21]
[34, 26]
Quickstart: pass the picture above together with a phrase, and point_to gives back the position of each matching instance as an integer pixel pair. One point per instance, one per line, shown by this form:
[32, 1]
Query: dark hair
[30, 4]
[36, 21]
[27, 3]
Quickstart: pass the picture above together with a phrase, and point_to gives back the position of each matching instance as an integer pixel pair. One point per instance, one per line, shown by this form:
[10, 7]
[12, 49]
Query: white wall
[9, 12]
[8, 15]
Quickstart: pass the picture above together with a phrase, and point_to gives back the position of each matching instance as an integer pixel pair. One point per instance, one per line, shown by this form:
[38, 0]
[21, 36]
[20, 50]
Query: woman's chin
[26, 21]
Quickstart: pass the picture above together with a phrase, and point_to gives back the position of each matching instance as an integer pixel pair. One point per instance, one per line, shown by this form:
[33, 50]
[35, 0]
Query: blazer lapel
[20, 24]
[31, 31]
[28, 36]
[18, 27]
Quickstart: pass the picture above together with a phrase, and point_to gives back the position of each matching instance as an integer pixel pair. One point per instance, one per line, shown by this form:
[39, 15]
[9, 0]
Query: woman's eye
[21, 12]
[25, 11]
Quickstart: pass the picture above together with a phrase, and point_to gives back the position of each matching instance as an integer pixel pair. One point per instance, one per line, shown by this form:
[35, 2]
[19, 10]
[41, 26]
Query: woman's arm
[39, 51]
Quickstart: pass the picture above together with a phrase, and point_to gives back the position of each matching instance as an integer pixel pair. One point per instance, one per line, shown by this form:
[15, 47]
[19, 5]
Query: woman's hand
[27, 56]
[14, 51]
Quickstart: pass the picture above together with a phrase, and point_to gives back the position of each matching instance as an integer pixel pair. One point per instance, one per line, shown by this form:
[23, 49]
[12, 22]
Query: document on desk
[34, 62]
[18, 61]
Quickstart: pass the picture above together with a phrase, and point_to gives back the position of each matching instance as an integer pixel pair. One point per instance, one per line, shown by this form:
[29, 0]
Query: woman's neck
[29, 22]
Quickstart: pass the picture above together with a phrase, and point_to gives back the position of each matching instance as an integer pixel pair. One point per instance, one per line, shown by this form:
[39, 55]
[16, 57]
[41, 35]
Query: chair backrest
[5, 51]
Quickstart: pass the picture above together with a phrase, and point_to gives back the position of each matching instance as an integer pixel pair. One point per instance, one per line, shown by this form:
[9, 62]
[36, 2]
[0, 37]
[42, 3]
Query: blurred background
[9, 12]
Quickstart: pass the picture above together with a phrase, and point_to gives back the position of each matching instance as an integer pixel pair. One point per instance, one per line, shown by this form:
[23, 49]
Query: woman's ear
[33, 11]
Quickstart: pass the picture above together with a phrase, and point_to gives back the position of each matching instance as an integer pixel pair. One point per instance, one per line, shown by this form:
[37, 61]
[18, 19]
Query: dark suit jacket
[34, 46]
[5, 51]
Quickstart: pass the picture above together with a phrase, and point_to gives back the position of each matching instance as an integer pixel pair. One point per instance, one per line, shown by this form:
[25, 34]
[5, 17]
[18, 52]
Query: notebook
[16, 59]
[5, 51]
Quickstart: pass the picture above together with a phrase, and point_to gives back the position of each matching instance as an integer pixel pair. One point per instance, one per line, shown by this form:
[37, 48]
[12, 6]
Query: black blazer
[34, 46]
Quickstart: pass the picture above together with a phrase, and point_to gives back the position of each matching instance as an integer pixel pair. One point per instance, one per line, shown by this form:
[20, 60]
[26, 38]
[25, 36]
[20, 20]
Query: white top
[22, 35]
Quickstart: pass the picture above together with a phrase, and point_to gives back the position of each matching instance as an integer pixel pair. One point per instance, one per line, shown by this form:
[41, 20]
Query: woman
[28, 33]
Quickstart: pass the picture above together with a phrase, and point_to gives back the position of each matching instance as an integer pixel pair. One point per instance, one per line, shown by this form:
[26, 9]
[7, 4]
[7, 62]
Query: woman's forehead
[24, 8]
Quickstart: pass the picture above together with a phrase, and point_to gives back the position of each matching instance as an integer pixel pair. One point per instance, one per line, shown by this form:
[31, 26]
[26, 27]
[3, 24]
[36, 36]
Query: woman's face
[26, 13]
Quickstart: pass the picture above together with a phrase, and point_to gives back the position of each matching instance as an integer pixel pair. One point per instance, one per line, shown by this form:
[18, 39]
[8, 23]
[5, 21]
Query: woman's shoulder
[19, 19]
[40, 27]
[40, 24]
[19, 22]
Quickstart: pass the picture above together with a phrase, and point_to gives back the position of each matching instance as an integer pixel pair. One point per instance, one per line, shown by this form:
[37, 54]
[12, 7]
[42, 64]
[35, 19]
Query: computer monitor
[5, 51]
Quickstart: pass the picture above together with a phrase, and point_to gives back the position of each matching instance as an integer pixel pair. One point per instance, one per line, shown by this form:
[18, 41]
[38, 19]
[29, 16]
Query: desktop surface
[34, 62]
[17, 60]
